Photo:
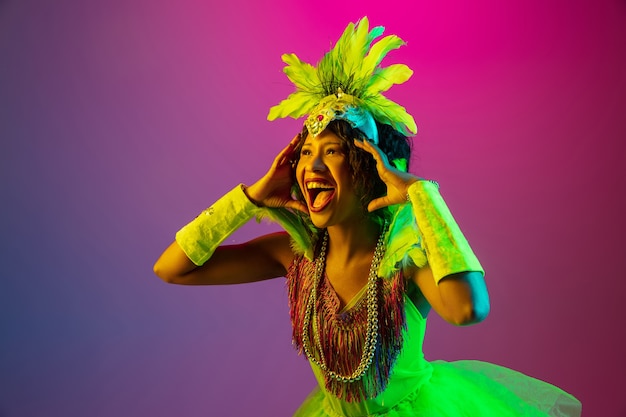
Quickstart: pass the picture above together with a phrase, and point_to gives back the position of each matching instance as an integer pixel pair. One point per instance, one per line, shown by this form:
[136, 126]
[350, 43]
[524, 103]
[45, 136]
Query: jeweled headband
[347, 84]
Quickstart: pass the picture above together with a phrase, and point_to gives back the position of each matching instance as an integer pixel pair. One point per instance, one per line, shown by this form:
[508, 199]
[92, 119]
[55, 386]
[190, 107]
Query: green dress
[414, 386]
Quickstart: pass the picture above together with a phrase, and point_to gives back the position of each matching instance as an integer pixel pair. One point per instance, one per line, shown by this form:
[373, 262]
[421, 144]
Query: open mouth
[319, 194]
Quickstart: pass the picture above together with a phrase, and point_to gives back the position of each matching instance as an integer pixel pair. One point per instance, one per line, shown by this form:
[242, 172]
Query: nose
[316, 163]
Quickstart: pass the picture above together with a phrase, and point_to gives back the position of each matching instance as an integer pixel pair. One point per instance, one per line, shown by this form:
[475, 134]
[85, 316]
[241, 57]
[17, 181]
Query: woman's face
[325, 179]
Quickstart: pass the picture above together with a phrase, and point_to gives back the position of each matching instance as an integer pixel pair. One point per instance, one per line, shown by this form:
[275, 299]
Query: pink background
[120, 120]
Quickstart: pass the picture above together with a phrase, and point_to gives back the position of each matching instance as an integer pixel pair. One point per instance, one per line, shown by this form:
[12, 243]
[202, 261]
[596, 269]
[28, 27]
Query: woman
[370, 249]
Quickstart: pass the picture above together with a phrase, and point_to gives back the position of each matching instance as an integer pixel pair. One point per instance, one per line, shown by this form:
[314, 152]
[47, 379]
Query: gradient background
[120, 120]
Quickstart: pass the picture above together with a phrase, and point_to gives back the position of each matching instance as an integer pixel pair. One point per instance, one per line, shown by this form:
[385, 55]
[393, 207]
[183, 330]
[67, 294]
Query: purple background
[120, 120]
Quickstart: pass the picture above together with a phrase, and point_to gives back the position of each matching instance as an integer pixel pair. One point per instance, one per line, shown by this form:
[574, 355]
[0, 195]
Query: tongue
[321, 198]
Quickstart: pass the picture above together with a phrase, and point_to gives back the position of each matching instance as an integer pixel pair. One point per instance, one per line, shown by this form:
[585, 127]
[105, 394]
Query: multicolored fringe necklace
[354, 348]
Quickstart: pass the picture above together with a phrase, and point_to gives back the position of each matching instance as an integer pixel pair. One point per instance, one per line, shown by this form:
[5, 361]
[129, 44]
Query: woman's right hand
[274, 188]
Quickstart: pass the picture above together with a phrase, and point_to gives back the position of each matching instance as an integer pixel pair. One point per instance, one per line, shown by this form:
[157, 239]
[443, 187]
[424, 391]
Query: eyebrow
[306, 145]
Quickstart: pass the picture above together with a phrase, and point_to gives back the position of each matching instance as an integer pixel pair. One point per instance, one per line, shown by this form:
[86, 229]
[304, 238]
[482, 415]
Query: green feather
[404, 246]
[374, 33]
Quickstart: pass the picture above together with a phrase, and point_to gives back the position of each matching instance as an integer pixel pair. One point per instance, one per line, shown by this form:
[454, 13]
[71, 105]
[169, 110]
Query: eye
[305, 152]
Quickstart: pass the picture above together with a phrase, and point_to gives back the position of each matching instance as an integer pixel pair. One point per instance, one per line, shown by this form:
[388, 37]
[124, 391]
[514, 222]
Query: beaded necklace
[371, 336]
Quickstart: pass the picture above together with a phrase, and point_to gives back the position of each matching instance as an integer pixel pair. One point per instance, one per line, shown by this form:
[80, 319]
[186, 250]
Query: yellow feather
[303, 75]
[355, 48]
[384, 78]
[296, 105]
[386, 111]
[378, 51]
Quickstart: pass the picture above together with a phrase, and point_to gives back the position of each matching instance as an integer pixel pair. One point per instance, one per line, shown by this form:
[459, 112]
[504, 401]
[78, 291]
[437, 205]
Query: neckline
[348, 307]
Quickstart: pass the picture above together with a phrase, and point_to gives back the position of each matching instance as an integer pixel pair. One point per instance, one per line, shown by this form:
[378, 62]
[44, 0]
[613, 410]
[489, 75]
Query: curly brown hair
[362, 165]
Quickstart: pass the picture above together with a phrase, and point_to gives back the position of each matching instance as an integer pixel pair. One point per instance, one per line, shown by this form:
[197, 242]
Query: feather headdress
[348, 84]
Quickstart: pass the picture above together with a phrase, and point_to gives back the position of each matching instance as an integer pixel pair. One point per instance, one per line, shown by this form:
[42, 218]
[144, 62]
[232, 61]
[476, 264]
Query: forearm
[446, 247]
[197, 241]
[203, 235]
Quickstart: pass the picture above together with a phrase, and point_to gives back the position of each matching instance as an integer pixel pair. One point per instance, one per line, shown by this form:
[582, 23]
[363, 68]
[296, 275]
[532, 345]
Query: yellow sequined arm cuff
[447, 250]
[203, 235]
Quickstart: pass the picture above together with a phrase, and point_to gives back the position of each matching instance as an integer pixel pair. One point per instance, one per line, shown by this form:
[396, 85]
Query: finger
[378, 203]
[297, 205]
[375, 151]
[381, 155]
[290, 150]
[286, 154]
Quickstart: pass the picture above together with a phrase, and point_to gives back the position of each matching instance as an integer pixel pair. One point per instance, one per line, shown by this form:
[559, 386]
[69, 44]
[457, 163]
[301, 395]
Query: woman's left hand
[397, 181]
